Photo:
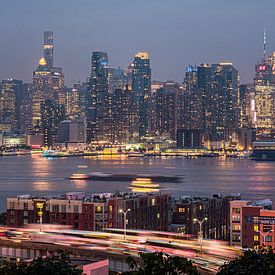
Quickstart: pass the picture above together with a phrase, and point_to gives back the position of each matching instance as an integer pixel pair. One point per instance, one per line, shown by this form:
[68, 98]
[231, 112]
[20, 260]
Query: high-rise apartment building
[121, 104]
[141, 86]
[26, 108]
[191, 102]
[51, 116]
[98, 114]
[11, 96]
[209, 101]
[222, 115]
[116, 79]
[166, 109]
[72, 103]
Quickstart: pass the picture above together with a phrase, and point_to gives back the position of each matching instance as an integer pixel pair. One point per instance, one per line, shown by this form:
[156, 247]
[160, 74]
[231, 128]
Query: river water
[42, 176]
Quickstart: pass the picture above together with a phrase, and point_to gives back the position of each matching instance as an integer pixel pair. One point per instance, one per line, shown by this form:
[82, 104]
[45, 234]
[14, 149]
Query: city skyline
[172, 39]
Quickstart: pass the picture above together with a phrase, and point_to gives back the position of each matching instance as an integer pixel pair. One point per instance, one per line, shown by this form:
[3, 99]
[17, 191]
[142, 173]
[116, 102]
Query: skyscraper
[265, 111]
[166, 103]
[264, 93]
[210, 100]
[121, 104]
[192, 101]
[141, 86]
[42, 90]
[11, 96]
[48, 48]
[48, 93]
[98, 99]
[51, 116]
[222, 119]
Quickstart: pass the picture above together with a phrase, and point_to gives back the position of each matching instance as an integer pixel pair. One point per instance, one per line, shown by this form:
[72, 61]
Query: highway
[112, 241]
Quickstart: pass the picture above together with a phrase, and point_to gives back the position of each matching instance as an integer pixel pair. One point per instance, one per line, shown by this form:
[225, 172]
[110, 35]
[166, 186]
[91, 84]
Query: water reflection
[79, 184]
[42, 186]
[200, 176]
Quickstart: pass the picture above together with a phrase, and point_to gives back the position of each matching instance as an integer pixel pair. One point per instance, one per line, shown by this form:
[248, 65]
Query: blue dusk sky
[175, 33]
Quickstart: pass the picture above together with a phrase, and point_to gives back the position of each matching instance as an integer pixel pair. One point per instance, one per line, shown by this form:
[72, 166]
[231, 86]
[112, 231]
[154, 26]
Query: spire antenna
[264, 48]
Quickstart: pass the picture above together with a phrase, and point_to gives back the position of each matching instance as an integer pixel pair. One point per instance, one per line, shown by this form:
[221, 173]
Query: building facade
[252, 224]
[141, 86]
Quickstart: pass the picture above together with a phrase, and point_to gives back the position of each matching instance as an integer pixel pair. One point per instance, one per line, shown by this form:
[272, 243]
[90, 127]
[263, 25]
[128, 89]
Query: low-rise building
[252, 224]
[75, 209]
[215, 211]
[147, 211]
[94, 212]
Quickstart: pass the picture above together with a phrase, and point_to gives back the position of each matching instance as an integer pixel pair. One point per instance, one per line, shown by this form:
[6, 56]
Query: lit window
[256, 238]
[268, 239]
[181, 210]
[158, 215]
[256, 228]
[236, 210]
[153, 201]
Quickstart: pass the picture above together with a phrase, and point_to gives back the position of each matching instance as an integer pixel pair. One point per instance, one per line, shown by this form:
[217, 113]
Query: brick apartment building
[150, 211]
[252, 224]
[216, 209]
[96, 212]
[75, 209]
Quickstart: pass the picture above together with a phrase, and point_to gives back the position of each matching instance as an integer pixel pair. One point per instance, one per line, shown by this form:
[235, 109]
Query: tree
[160, 263]
[256, 262]
[57, 264]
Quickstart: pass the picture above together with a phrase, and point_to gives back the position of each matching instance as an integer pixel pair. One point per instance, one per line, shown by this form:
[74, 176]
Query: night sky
[175, 33]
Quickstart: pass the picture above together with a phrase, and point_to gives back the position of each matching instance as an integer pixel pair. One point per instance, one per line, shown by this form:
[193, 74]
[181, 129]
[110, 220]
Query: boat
[144, 185]
[263, 151]
[79, 176]
[98, 176]
[50, 153]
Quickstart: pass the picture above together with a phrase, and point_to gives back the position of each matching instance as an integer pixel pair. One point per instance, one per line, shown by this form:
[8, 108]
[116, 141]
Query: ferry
[98, 176]
[78, 176]
[144, 185]
[263, 150]
[50, 153]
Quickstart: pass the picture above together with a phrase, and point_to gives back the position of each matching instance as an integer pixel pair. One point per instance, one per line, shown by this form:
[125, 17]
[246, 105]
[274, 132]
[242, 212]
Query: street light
[125, 220]
[40, 206]
[200, 233]
[264, 234]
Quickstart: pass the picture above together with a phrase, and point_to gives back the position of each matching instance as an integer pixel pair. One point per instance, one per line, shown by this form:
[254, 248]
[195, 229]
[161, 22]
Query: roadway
[113, 242]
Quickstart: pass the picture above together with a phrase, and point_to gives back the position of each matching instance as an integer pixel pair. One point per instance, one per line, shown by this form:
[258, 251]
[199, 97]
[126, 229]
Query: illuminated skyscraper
[72, 103]
[121, 103]
[265, 111]
[141, 86]
[48, 48]
[26, 109]
[51, 116]
[42, 90]
[222, 102]
[116, 78]
[166, 103]
[210, 101]
[48, 85]
[11, 96]
[98, 99]
[264, 94]
[192, 101]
